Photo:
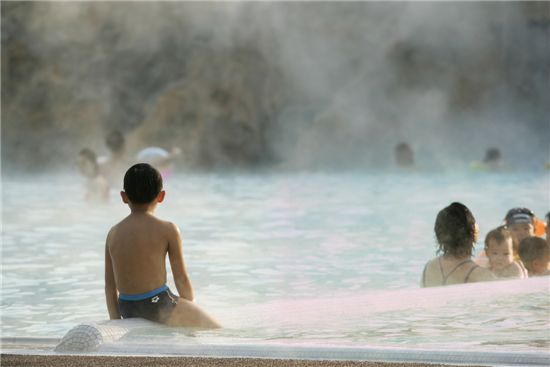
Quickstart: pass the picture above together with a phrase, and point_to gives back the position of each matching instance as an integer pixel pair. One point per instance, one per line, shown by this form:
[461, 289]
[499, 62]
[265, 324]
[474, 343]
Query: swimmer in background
[491, 162]
[160, 159]
[500, 251]
[135, 259]
[404, 155]
[114, 166]
[493, 159]
[535, 255]
[456, 232]
[97, 188]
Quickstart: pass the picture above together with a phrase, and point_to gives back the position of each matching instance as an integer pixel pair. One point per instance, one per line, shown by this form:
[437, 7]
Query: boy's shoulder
[163, 222]
[170, 227]
[113, 229]
[126, 222]
[153, 222]
[121, 223]
[159, 226]
[168, 230]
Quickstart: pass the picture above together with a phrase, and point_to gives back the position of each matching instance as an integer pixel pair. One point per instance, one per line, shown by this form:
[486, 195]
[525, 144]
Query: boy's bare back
[138, 246]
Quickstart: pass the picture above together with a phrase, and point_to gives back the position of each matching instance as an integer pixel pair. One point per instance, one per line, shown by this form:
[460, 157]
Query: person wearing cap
[520, 223]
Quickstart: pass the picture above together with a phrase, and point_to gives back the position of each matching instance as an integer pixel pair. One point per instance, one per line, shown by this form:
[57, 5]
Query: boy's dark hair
[499, 234]
[547, 217]
[115, 141]
[142, 183]
[455, 230]
[532, 248]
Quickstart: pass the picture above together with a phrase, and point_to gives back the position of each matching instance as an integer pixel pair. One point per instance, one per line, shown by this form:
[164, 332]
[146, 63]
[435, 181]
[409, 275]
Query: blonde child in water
[500, 252]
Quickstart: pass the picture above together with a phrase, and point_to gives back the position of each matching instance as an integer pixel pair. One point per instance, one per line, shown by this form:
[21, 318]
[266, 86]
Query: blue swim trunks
[156, 305]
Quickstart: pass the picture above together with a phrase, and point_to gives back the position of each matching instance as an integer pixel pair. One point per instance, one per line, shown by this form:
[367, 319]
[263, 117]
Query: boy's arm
[111, 295]
[175, 254]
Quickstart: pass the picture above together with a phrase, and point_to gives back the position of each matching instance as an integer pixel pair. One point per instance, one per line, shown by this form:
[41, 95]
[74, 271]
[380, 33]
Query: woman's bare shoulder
[432, 262]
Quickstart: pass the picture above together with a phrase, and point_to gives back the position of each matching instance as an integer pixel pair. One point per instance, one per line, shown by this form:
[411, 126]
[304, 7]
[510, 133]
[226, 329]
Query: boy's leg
[188, 314]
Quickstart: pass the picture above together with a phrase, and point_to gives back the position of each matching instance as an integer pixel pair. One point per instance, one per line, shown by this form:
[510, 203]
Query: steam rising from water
[299, 85]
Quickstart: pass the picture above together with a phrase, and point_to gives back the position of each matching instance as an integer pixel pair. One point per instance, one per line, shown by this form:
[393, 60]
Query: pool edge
[45, 346]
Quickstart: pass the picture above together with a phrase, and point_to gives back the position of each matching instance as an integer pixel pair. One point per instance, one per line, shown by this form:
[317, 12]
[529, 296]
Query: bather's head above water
[142, 187]
[456, 231]
[535, 255]
[116, 142]
[520, 223]
[404, 155]
[499, 248]
[87, 163]
[493, 158]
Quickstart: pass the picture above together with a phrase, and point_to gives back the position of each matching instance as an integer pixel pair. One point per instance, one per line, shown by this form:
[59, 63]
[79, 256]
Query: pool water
[299, 258]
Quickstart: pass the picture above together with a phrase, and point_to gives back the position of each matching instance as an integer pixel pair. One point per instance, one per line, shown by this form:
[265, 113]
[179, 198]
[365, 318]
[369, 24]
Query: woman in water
[456, 232]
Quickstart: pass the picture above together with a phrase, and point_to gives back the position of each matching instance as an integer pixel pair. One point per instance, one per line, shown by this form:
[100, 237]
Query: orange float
[540, 227]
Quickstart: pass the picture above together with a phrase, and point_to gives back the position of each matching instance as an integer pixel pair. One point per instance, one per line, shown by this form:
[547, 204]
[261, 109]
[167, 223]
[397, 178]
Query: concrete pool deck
[13, 360]
[40, 352]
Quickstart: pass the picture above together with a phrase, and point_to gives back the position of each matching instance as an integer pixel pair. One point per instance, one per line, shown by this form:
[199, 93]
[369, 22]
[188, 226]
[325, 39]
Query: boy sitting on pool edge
[135, 253]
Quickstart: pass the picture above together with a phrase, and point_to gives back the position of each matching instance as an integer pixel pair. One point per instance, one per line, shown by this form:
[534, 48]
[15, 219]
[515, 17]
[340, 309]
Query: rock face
[217, 114]
[253, 84]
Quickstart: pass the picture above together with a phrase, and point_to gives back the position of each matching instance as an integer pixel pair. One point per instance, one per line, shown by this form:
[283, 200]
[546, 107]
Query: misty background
[286, 85]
